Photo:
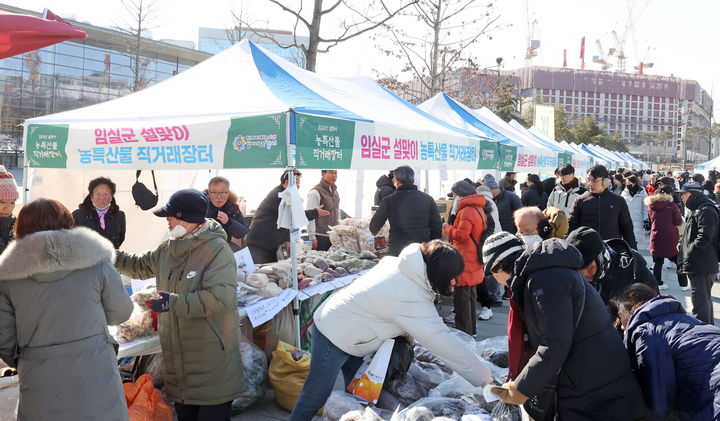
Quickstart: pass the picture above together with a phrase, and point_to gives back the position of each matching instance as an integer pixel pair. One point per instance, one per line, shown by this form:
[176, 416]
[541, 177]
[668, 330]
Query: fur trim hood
[48, 252]
[658, 197]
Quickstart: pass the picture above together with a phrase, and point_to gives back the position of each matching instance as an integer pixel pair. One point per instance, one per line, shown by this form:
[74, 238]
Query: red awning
[21, 33]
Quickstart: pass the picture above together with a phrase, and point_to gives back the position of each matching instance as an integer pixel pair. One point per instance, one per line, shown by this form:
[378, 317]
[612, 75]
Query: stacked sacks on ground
[314, 268]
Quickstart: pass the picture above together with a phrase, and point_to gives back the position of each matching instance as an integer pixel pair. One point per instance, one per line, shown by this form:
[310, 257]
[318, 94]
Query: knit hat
[187, 205]
[490, 182]
[499, 246]
[463, 189]
[8, 187]
[588, 242]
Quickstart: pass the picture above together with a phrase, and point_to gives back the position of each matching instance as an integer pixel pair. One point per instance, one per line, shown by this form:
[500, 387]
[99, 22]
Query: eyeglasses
[218, 193]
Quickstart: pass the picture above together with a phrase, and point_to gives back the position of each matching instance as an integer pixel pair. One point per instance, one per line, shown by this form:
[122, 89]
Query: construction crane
[634, 12]
[644, 64]
[582, 53]
[533, 45]
[600, 58]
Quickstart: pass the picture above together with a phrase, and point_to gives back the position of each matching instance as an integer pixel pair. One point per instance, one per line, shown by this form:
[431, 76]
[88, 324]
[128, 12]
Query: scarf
[101, 213]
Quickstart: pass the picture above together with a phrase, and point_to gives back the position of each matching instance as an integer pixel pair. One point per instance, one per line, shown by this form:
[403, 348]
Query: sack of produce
[139, 324]
[289, 368]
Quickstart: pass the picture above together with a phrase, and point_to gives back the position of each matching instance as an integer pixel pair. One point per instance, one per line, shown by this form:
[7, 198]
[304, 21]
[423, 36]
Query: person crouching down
[394, 298]
[575, 349]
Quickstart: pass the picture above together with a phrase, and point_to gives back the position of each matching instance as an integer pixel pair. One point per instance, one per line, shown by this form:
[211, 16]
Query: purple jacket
[664, 218]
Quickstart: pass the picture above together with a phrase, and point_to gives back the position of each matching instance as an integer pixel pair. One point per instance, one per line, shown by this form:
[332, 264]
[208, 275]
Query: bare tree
[237, 32]
[355, 17]
[438, 52]
[140, 16]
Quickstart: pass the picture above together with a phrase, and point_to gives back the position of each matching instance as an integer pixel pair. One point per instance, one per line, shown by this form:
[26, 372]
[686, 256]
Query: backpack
[144, 198]
[486, 233]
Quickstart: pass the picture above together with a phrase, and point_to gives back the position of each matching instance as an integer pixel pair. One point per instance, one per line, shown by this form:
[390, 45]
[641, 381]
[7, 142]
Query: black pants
[220, 412]
[701, 297]
[657, 271]
[323, 242]
[465, 302]
[261, 255]
[483, 296]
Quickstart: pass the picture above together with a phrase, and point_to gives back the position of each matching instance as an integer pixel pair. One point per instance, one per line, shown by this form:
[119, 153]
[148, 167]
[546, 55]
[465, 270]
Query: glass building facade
[213, 41]
[76, 74]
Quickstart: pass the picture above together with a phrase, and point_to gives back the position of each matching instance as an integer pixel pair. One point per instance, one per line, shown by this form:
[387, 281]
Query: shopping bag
[288, 371]
[368, 381]
[145, 402]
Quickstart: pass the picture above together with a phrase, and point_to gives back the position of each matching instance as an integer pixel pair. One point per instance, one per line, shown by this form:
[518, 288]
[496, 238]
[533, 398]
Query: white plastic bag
[255, 369]
[9, 395]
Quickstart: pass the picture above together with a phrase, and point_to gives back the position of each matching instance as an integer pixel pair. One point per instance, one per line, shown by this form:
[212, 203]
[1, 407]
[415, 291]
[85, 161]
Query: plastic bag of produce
[289, 369]
[454, 388]
[340, 403]
[427, 409]
[494, 350]
[139, 324]
[255, 369]
[145, 402]
[506, 412]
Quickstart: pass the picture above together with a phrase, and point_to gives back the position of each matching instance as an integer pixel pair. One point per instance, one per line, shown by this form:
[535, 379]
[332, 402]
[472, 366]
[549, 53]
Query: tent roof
[249, 80]
[549, 144]
[488, 117]
[456, 114]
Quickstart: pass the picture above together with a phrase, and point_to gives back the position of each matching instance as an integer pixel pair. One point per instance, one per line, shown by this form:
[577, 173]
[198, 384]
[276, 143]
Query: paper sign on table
[264, 310]
[244, 261]
[369, 379]
[139, 285]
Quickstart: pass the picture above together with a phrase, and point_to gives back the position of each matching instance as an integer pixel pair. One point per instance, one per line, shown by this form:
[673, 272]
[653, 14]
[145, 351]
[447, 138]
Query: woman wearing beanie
[569, 353]
[535, 195]
[100, 212]
[8, 195]
[465, 234]
[395, 298]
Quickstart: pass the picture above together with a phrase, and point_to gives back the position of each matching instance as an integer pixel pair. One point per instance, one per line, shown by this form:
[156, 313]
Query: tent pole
[293, 244]
[26, 168]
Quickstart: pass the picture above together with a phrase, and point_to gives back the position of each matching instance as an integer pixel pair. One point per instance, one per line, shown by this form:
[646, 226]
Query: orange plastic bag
[145, 402]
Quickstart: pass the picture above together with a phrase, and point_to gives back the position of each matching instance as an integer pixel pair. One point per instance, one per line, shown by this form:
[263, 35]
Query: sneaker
[485, 314]
[663, 286]
[685, 288]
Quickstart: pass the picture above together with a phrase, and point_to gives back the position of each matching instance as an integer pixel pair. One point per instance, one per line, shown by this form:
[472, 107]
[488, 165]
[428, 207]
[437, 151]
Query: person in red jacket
[465, 233]
[665, 219]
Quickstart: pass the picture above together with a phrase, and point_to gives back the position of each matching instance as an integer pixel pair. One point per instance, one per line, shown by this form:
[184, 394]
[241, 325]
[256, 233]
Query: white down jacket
[393, 299]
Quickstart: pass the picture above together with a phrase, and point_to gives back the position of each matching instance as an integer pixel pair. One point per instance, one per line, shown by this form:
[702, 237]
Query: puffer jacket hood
[477, 200]
[54, 254]
[412, 265]
[384, 180]
[552, 252]
[658, 201]
[657, 307]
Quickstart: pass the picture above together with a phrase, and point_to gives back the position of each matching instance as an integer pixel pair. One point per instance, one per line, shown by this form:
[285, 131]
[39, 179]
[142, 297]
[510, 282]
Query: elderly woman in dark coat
[100, 212]
[58, 293]
[675, 356]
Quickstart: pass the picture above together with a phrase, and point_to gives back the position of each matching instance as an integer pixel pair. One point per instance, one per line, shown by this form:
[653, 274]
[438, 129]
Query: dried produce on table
[139, 324]
[141, 297]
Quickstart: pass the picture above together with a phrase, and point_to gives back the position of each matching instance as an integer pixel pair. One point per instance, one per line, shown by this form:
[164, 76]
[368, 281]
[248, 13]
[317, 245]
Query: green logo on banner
[46, 145]
[507, 158]
[488, 155]
[323, 142]
[256, 142]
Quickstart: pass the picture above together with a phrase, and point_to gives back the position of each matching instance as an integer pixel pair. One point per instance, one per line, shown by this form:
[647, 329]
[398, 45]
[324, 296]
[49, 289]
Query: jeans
[326, 361]
[220, 412]
[465, 302]
[495, 290]
[701, 297]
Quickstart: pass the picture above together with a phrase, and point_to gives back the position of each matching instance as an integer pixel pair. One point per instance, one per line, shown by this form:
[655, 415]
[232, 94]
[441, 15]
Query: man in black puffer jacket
[413, 215]
[697, 257]
[601, 210]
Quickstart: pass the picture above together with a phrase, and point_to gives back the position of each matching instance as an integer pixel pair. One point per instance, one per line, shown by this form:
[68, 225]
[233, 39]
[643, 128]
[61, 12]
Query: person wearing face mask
[100, 212]
[560, 336]
[675, 357]
[394, 298]
[529, 222]
[8, 195]
[610, 266]
[197, 313]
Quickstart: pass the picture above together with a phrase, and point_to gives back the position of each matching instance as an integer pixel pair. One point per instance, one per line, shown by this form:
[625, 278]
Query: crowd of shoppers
[568, 257]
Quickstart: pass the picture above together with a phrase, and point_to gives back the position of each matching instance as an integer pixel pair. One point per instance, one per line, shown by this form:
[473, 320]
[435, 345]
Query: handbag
[144, 198]
[543, 406]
